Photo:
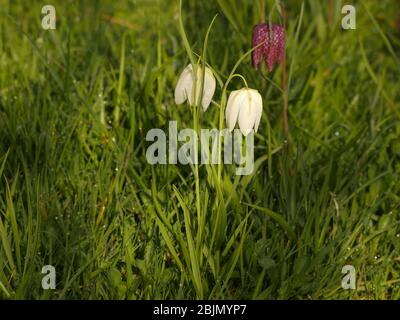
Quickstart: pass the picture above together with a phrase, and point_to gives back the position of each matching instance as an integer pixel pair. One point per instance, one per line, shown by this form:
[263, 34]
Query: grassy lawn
[77, 192]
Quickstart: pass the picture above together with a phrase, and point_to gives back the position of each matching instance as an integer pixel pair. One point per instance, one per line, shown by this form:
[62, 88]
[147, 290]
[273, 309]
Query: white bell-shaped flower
[245, 107]
[185, 87]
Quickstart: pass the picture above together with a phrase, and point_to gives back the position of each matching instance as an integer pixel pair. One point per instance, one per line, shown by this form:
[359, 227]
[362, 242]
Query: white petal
[209, 88]
[247, 116]
[184, 87]
[258, 108]
[232, 110]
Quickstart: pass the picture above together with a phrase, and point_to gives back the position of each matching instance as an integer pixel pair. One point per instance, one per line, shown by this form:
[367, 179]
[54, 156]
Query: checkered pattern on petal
[272, 45]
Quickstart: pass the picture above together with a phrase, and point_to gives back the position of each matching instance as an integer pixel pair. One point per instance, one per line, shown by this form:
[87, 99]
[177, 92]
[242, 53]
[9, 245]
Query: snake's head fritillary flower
[269, 41]
[185, 87]
[245, 107]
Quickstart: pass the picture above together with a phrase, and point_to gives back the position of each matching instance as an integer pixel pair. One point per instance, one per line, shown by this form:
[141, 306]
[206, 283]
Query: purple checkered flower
[272, 47]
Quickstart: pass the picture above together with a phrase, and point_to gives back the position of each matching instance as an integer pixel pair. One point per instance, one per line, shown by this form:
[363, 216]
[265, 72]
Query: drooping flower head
[271, 42]
[185, 88]
[244, 107]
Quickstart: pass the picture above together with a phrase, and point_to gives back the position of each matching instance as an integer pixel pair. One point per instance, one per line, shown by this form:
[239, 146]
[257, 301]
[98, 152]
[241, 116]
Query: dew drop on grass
[337, 133]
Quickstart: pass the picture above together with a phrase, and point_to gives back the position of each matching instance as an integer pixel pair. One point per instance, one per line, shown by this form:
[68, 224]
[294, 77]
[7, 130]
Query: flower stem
[197, 181]
[262, 11]
[330, 13]
[196, 155]
[284, 82]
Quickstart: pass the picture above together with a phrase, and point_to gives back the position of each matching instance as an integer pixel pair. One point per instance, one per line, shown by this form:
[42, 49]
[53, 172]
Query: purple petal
[273, 45]
[260, 34]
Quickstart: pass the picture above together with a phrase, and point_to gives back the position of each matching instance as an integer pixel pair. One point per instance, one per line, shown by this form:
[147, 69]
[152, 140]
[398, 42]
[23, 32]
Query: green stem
[197, 182]
[284, 93]
[196, 147]
[262, 11]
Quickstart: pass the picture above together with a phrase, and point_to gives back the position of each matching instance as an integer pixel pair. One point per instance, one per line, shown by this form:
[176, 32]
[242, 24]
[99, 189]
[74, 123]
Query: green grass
[77, 192]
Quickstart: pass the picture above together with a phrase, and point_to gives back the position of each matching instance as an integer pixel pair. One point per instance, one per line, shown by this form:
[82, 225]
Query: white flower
[185, 87]
[245, 107]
